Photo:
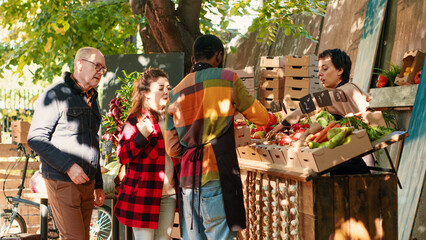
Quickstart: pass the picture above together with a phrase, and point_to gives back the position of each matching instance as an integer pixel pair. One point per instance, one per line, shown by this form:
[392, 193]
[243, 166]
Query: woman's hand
[274, 131]
[145, 126]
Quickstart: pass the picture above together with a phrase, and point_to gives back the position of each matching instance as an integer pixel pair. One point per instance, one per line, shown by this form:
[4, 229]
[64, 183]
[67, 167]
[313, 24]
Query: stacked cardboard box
[271, 82]
[20, 131]
[247, 76]
[300, 79]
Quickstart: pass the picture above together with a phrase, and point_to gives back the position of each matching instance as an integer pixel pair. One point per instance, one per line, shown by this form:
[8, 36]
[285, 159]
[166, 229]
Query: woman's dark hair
[206, 46]
[141, 87]
[340, 60]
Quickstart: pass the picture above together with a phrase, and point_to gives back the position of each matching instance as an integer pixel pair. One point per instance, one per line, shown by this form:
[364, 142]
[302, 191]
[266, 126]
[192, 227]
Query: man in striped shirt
[199, 121]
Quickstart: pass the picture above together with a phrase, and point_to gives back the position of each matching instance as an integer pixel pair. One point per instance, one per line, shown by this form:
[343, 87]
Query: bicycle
[13, 223]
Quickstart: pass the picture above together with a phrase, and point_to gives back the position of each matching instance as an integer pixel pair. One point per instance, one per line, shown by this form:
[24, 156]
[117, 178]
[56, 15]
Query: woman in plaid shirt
[147, 195]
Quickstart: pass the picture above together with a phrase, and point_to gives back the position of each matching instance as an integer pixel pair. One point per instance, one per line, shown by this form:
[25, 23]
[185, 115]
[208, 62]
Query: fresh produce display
[317, 131]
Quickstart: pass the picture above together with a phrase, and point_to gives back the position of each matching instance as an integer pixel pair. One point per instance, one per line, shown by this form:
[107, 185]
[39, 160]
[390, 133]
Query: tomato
[306, 126]
[296, 126]
[382, 81]
[417, 77]
[272, 119]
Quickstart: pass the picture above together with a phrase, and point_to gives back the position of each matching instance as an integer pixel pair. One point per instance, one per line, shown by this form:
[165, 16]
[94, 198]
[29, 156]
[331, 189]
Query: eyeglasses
[98, 67]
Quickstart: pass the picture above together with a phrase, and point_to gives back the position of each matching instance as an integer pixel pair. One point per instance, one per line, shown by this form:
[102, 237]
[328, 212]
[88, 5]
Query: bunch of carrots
[321, 136]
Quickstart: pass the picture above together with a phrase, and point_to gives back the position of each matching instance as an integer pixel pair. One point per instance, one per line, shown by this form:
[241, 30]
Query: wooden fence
[18, 98]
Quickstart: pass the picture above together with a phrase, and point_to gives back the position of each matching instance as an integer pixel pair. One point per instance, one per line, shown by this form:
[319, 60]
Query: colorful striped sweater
[201, 109]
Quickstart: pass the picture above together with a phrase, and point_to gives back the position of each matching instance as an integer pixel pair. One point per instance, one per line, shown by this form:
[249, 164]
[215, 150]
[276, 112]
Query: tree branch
[162, 20]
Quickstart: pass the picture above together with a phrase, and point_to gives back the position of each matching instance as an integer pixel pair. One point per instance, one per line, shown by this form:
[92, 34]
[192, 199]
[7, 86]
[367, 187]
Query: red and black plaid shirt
[139, 197]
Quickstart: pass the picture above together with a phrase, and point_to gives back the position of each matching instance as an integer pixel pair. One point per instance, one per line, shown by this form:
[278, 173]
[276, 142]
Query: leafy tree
[47, 33]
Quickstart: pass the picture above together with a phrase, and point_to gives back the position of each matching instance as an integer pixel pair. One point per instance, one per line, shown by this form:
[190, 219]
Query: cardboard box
[274, 93]
[412, 59]
[300, 71]
[291, 104]
[251, 91]
[272, 82]
[306, 60]
[277, 154]
[248, 153]
[268, 61]
[248, 82]
[272, 73]
[292, 157]
[20, 126]
[293, 92]
[20, 131]
[264, 154]
[242, 136]
[321, 159]
[315, 85]
[247, 72]
[297, 82]
[271, 104]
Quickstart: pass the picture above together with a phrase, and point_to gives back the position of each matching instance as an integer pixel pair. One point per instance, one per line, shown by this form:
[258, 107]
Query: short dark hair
[206, 46]
[340, 60]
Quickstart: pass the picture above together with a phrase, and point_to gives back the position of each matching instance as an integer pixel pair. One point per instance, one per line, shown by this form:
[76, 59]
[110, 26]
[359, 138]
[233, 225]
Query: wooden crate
[272, 82]
[297, 82]
[269, 102]
[301, 71]
[248, 82]
[306, 60]
[268, 61]
[272, 72]
[291, 104]
[338, 207]
[293, 92]
[315, 85]
[274, 93]
[20, 131]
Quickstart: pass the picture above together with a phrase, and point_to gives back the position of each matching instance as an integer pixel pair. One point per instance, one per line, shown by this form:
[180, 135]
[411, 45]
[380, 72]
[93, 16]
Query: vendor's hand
[77, 175]
[145, 126]
[274, 131]
[99, 197]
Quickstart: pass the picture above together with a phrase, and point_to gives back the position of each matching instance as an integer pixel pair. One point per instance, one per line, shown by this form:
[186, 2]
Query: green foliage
[390, 73]
[119, 108]
[48, 33]
[275, 14]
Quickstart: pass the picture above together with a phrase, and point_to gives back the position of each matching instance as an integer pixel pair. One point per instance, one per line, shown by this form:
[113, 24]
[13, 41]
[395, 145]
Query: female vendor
[334, 69]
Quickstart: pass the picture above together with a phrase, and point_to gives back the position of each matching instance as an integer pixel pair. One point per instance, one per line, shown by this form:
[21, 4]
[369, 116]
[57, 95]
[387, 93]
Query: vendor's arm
[249, 106]
[45, 119]
[132, 141]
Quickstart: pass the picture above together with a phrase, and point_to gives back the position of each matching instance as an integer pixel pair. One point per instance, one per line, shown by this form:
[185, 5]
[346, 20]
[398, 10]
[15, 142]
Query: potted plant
[387, 77]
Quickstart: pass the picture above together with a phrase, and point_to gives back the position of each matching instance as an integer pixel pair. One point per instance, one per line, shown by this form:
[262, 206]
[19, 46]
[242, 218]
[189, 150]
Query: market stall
[288, 202]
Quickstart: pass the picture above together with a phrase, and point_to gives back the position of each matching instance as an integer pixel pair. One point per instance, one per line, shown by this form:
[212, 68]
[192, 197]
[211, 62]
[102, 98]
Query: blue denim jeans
[210, 221]
[165, 221]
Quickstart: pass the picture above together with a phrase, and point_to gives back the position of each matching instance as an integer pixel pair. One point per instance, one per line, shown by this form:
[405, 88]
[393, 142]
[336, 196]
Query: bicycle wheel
[101, 223]
[18, 224]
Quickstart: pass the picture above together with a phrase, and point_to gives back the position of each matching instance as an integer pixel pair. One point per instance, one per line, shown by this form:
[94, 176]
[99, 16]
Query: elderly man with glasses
[64, 133]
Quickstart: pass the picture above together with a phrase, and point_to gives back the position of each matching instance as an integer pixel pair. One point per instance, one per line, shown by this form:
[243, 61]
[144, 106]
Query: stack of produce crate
[271, 81]
[247, 76]
[300, 79]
